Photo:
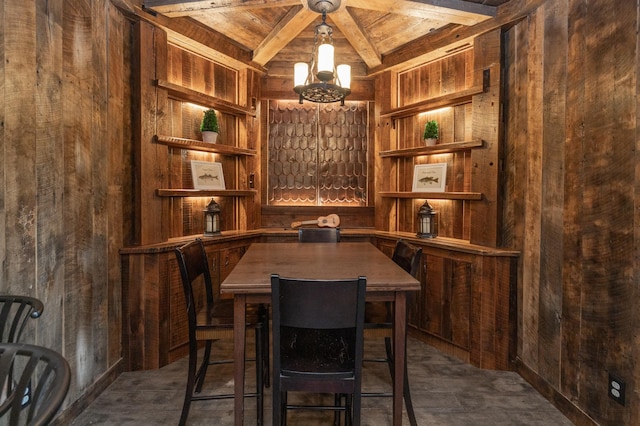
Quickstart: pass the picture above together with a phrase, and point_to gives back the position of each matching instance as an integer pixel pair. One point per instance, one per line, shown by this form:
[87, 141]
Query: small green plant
[431, 130]
[209, 121]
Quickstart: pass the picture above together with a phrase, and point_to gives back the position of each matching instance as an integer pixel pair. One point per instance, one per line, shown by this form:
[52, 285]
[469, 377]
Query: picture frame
[430, 177]
[207, 175]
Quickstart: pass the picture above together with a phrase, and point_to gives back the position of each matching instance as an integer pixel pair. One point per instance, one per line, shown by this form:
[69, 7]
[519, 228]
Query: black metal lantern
[427, 221]
[212, 219]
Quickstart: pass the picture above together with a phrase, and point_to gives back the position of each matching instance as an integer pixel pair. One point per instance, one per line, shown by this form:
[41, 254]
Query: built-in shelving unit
[402, 160]
[174, 141]
[184, 94]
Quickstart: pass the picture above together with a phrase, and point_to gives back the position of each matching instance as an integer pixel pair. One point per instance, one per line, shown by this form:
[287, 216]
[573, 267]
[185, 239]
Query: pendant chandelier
[320, 80]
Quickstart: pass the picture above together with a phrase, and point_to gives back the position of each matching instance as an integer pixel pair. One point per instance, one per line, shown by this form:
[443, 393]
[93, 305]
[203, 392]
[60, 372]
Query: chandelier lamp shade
[320, 80]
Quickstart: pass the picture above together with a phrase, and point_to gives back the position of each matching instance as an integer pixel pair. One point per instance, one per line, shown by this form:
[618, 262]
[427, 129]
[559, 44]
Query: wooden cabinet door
[443, 305]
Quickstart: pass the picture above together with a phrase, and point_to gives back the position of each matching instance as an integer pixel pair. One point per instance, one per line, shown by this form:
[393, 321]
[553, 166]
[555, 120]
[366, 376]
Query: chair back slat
[319, 235]
[15, 311]
[317, 304]
[194, 267]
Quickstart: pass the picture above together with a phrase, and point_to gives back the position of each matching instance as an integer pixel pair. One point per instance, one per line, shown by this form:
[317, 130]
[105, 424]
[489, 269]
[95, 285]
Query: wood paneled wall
[571, 198]
[65, 174]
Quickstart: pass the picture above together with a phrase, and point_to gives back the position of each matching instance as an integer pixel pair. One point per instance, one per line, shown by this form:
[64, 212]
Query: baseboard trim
[566, 407]
[89, 395]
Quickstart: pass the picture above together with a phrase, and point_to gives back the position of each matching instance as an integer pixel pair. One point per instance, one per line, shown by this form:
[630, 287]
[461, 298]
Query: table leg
[239, 310]
[399, 348]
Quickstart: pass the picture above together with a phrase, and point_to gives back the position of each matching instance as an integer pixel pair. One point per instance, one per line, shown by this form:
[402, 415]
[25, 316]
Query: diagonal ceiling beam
[288, 28]
[193, 36]
[175, 8]
[356, 36]
[440, 43]
[452, 11]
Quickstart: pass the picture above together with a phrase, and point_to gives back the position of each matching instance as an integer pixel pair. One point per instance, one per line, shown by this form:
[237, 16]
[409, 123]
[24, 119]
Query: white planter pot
[430, 142]
[209, 137]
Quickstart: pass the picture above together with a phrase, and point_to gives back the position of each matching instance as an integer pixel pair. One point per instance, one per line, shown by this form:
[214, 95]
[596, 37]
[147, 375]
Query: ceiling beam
[175, 8]
[193, 36]
[356, 36]
[448, 40]
[288, 28]
[452, 11]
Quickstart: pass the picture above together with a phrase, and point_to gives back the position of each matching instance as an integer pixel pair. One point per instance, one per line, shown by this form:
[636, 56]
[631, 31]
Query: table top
[316, 261]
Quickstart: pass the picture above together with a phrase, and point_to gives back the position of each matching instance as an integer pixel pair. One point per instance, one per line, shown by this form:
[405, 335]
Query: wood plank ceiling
[277, 33]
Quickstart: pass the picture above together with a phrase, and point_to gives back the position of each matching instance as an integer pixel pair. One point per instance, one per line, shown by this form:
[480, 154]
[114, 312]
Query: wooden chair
[14, 313]
[379, 321]
[26, 365]
[319, 235]
[318, 343]
[210, 319]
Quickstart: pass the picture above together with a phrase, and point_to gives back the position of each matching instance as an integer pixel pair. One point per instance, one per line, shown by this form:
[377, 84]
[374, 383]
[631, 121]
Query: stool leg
[406, 389]
[259, 373]
[202, 371]
[191, 378]
[264, 313]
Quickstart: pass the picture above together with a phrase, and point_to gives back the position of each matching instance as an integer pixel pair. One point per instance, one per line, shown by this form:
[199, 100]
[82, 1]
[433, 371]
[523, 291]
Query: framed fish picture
[430, 177]
[207, 175]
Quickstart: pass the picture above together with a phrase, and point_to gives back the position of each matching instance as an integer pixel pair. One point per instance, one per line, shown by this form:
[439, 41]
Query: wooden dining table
[250, 282]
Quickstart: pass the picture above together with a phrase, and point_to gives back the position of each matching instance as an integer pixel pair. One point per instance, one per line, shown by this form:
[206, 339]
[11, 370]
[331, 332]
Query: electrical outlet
[616, 389]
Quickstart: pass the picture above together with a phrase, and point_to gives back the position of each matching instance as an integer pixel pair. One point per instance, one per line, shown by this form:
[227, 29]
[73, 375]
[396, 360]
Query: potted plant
[431, 132]
[209, 126]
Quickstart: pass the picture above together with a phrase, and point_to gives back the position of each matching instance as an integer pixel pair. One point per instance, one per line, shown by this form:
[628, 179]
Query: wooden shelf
[205, 193]
[202, 146]
[437, 149]
[434, 195]
[182, 93]
[448, 100]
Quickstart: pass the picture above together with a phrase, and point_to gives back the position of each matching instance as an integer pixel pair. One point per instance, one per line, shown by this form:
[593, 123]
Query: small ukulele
[331, 221]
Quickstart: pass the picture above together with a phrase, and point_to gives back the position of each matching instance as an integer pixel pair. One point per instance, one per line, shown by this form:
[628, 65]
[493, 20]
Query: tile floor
[446, 392]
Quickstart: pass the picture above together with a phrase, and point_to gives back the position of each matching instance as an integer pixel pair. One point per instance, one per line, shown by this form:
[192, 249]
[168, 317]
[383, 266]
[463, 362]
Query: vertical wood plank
[19, 205]
[533, 203]
[49, 167]
[552, 188]
[516, 161]
[118, 107]
[573, 272]
[487, 126]
[148, 121]
[79, 251]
